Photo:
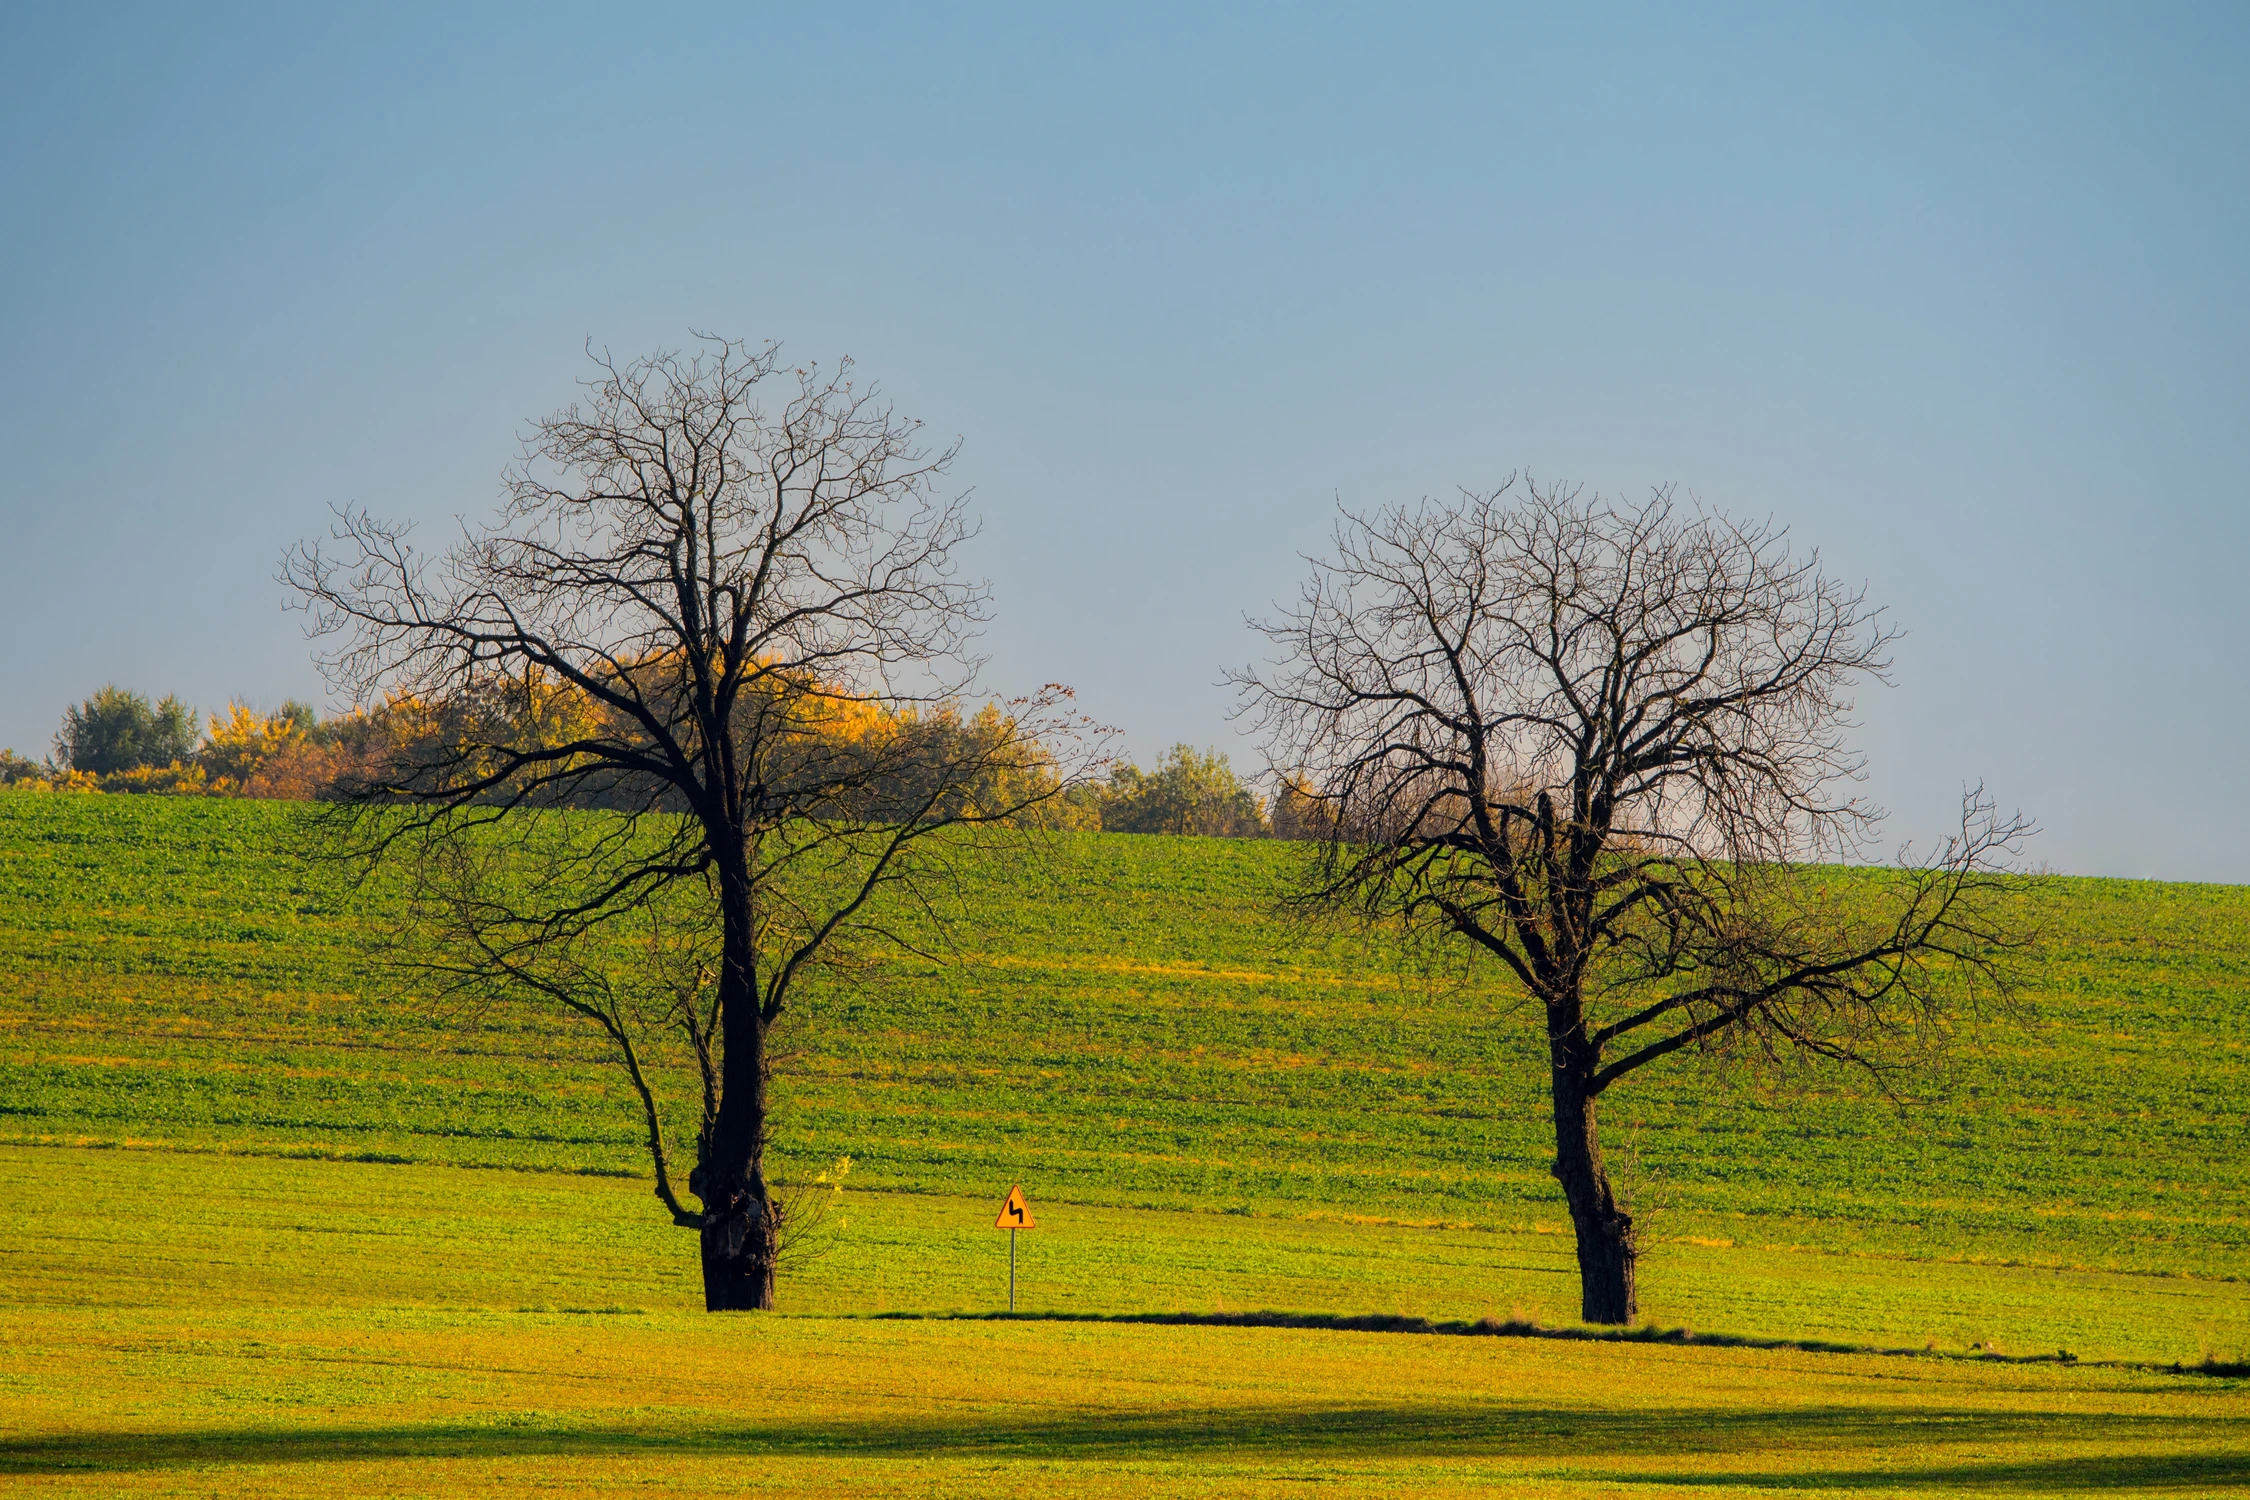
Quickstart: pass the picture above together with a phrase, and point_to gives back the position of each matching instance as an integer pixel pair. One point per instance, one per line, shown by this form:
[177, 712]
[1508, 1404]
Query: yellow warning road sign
[1016, 1212]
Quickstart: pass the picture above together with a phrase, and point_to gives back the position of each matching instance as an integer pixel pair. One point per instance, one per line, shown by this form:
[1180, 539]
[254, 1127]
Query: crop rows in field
[1125, 1021]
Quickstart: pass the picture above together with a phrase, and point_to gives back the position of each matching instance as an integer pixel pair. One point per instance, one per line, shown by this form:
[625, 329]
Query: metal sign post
[1015, 1214]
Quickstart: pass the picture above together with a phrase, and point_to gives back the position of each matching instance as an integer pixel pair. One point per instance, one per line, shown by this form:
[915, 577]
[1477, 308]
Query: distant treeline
[119, 741]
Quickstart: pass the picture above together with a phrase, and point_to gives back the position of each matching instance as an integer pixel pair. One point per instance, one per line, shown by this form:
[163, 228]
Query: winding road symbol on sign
[1016, 1212]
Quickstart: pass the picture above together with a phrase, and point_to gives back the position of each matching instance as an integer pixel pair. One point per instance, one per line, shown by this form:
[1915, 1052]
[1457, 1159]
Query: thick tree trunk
[738, 1252]
[740, 1224]
[1606, 1246]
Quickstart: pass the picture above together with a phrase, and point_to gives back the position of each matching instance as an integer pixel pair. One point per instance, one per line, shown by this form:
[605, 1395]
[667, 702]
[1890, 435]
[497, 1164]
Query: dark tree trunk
[1606, 1246]
[740, 1222]
[738, 1251]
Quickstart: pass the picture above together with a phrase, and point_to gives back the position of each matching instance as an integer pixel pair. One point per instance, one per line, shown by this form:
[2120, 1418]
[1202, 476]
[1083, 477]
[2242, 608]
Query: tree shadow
[1674, 1446]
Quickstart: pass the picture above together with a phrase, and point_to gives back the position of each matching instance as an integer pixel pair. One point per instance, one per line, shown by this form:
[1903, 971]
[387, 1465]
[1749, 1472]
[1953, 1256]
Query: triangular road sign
[1016, 1212]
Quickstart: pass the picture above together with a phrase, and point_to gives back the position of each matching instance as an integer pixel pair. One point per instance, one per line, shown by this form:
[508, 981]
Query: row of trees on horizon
[117, 740]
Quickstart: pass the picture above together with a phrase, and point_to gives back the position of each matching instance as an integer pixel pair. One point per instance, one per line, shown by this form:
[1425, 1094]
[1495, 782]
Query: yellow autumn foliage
[179, 779]
[248, 752]
[243, 741]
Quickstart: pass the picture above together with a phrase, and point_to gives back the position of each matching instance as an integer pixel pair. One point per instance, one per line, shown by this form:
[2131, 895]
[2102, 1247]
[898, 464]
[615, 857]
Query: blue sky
[1955, 292]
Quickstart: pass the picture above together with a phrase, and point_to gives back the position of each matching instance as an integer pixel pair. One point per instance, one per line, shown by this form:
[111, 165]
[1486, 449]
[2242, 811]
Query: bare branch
[705, 663]
[1609, 746]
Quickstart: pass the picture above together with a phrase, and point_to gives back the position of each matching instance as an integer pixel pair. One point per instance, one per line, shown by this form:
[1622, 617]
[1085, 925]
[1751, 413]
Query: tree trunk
[738, 1251]
[740, 1224]
[1607, 1250]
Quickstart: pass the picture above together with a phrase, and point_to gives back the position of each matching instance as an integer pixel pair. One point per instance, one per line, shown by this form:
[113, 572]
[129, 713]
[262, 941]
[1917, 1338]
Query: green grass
[181, 1324]
[1128, 1024]
[216, 1230]
[270, 1230]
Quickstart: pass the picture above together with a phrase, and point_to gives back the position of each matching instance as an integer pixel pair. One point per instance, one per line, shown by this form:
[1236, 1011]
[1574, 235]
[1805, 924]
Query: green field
[254, 1232]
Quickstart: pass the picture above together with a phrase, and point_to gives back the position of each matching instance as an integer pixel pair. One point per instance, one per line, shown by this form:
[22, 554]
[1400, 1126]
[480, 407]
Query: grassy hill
[1127, 1023]
[252, 1244]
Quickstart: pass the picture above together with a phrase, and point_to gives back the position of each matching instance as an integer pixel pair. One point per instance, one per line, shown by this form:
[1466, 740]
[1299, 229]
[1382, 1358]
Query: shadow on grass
[1517, 1328]
[1832, 1447]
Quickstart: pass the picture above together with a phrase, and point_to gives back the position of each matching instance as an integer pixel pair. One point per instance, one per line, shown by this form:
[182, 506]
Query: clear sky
[1959, 293]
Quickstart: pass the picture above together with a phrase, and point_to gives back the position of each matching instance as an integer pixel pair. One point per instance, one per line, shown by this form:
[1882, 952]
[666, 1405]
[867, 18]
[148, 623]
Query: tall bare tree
[1608, 747]
[720, 606]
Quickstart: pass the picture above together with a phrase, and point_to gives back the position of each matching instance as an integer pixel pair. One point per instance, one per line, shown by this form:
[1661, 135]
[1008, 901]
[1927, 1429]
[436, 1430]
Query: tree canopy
[116, 730]
[720, 600]
[1608, 748]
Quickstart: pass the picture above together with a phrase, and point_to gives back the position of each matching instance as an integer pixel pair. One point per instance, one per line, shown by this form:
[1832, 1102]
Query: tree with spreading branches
[682, 728]
[1607, 747]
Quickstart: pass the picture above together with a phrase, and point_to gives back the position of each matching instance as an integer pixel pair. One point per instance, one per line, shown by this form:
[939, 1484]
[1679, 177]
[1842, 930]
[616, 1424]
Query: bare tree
[1607, 746]
[645, 977]
[719, 607]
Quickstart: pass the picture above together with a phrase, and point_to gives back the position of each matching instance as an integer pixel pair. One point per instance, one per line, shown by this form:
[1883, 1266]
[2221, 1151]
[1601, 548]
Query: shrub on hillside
[179, 779]
[288, 754]
[1189, 792]
[17, 770]
[115, 730]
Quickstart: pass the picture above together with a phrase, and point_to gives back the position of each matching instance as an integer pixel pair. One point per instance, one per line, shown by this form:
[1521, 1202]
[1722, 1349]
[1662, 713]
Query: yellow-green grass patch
[207, 1324]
